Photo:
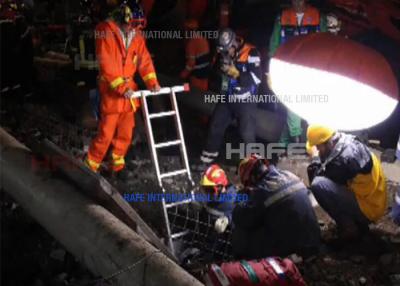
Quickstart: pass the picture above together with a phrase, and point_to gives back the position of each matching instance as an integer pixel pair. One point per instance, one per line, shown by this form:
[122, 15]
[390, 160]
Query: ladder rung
[174, 173]
[162, 114]
[178, 203]
[167, 144]
[179, 234]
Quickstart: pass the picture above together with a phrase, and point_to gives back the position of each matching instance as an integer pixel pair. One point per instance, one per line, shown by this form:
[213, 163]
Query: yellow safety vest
[370, 191]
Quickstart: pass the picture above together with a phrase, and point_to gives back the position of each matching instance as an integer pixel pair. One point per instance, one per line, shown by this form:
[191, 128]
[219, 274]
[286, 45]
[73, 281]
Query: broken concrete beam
[96, 188]
[91, 233]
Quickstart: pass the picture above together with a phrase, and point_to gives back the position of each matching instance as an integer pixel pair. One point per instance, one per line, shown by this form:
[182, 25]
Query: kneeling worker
[214, 182]
[347, 180]
[278, 219]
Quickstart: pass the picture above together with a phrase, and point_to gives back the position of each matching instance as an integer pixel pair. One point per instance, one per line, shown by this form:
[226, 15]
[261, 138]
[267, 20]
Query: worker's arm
[323, 25]
[145, 65]
[248, 214]
[275, 39]
[252, 77]
[339, 170]
[314, 169]
[190, 52]
[355, 160]
[110, 72]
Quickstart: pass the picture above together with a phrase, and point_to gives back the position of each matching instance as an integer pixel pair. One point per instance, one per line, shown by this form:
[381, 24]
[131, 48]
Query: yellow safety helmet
[318, 134]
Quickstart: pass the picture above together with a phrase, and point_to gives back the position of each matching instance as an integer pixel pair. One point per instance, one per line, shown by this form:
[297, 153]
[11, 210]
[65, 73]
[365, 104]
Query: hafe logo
[51, 163]
[293, 150]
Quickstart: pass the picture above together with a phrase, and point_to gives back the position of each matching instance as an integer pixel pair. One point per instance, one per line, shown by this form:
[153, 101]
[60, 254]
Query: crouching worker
[214, 183]
[396, 208]
[121, 52]
[347, 180]
[278, 219]
[216, 213]
[395, 213]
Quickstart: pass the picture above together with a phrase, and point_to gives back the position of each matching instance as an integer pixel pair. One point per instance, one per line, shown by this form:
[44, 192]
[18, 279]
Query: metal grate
[200, 233]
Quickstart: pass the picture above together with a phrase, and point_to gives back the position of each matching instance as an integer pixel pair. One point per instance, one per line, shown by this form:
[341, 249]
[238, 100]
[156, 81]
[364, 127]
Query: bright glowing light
[327, 98]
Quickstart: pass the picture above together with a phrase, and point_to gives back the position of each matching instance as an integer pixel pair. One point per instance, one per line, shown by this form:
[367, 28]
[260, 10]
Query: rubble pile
[42, 261]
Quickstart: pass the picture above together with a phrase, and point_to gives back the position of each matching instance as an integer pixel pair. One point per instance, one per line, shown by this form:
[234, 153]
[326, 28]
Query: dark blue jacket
[349, 158]
[396, 208]
[248, 63]
[277, 220]
[225, 207]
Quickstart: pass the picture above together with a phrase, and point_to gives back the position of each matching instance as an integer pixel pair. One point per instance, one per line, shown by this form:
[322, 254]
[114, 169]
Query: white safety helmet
[226, 40]
[333, 23]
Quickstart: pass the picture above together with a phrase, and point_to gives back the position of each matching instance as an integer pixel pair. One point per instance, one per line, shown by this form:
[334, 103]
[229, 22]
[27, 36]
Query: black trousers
[223, 116]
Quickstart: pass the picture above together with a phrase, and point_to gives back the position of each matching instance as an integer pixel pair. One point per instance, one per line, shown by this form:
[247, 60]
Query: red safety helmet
[214, 177]
[252, 168]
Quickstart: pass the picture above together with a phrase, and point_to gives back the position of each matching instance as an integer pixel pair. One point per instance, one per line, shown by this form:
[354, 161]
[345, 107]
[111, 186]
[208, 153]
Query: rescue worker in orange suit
[121, 52]
[240, 68]
[300, 19]
[197, 51]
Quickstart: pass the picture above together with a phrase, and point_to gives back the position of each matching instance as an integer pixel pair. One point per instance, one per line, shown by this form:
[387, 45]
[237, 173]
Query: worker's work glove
[221, 224]
[134, 102]
[155, 88]
[184, 74]
[233, 72]
[237, 90]
[269, 82]
[313, 151]
[230, 70]
[128, 94]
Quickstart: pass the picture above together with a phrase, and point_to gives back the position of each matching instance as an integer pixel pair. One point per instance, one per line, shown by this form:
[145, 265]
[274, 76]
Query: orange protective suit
[147, 6]
[196, 9]
[118, 65]
[197, 67]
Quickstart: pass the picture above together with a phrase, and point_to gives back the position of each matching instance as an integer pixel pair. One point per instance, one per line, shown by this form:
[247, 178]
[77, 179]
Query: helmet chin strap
[238, 45]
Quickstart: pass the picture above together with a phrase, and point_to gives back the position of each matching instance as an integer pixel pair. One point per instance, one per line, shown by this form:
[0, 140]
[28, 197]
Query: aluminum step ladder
[154, 147]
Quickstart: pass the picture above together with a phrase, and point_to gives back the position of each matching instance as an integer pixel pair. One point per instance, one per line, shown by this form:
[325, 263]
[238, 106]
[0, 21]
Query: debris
[14, 206]
[38, 282]
[388, 156]
[386, 259]
[362, 281]
[58, 254]
[395, 279]
[62, 277]
[357, 259]
[296, 258]
[331, 278]
[328, 260]
[169, 181]
[395, 238]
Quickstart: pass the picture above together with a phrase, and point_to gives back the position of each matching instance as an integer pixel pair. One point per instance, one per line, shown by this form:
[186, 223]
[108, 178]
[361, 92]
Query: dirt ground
[30, 256]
